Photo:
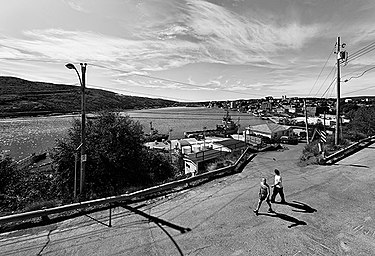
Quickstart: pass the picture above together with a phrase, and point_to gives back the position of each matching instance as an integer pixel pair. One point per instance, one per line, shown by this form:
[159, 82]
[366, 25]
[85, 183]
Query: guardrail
[331, 159]
[120, 198]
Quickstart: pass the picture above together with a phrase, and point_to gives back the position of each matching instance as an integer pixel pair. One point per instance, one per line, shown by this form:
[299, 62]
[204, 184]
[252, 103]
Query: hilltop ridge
[20, 97]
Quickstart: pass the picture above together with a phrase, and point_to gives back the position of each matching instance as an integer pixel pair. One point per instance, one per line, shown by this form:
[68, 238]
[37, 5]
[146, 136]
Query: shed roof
[231, 143]
[269, 128]
[204, 155]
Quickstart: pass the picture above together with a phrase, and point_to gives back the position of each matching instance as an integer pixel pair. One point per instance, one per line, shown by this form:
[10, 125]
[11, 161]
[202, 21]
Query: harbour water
[20, 137]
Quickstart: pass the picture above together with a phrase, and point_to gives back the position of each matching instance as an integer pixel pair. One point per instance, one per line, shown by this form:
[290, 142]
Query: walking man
[264, 194]
[278, 188]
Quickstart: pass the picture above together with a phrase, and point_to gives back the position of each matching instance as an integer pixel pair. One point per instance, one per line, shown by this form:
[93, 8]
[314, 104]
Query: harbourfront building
[270, 130]
[197, 153]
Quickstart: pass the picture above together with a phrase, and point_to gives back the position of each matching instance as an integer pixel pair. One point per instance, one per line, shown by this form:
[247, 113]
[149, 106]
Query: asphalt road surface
[329, 211]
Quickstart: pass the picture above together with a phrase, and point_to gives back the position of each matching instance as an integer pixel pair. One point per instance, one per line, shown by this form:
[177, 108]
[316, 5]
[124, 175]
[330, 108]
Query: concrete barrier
[333, 158]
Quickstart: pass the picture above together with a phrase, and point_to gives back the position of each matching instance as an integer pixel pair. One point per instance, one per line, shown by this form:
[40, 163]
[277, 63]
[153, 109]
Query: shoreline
[26, 135]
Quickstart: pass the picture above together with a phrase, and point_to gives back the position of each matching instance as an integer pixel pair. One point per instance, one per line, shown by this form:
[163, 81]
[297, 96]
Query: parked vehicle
[288, 140]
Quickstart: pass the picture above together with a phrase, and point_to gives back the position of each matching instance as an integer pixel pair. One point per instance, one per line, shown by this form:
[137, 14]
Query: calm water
[22, 136]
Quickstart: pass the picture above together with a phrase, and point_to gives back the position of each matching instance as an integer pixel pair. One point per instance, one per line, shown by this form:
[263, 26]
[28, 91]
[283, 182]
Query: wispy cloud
[204, 32]
[253, 46]
[76, 5]
[223, 36]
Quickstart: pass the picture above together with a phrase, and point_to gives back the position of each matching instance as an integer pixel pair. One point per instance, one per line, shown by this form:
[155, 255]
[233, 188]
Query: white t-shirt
[277, 180]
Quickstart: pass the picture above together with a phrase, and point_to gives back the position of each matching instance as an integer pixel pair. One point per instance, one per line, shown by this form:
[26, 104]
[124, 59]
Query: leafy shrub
[310, 154]
[116, 158]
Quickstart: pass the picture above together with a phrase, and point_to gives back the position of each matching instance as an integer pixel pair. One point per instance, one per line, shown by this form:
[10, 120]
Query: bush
[8, 176]
[20, 187]
[363, 122]
[116, 158]
[310, 154]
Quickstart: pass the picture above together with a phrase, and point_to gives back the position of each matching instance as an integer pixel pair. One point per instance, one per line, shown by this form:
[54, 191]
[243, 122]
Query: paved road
[330, 211]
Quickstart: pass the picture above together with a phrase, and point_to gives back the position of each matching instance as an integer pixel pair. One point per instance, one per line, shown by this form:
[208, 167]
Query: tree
[7, 175]
[363, 122]
[21, 187]
[116, 158]
[9, 184]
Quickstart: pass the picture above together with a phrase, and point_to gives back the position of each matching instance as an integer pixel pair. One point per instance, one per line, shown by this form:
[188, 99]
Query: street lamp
[83, 123]
[204, 140]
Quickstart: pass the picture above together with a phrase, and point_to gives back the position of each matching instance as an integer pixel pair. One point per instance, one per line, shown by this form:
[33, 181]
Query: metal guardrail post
[110, 216]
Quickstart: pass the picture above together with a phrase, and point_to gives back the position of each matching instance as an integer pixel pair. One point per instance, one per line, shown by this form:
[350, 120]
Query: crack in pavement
[48, 240]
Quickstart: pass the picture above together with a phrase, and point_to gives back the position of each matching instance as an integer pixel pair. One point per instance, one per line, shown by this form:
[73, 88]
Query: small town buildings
[198, 152]
[290, 109]
[271, 130]
[157, 145]
[266, 106]
[328, 120]
[230, 145]
[193, 161]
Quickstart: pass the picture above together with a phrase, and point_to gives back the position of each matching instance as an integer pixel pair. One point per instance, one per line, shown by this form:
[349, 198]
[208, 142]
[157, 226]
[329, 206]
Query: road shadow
[155, 219]
[302, 207]
[159, 222]
[295, 222]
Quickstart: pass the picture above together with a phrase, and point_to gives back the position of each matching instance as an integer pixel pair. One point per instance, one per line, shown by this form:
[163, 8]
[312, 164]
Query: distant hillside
[20, 97]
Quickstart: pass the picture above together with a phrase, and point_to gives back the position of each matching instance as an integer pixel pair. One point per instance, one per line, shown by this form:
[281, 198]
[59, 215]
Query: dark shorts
[262, 197]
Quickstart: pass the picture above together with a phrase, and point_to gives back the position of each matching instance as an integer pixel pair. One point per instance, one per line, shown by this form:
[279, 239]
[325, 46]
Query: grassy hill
[19, 97]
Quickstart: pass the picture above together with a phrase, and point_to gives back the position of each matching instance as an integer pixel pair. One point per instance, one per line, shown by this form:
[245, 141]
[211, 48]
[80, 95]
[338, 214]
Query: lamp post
[170, 143]
[204, 140]
[83, 123]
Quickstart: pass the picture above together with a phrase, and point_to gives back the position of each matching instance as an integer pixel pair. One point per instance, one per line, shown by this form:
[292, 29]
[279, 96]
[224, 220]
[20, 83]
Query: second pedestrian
[278, 188]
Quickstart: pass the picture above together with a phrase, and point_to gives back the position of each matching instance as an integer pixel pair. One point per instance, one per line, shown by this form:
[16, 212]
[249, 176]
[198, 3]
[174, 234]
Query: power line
[363, 89]
[176, 118]
[147, 94]
[38, 93]
[355, 71]
[134, 74]
[191, 114]
[347, 80]
[169, 80]
[332, 90]
[329, 87]
[362, 49]
[361, 54]
[322, 70]
[33, 60]
[333, 68]
[171, 117]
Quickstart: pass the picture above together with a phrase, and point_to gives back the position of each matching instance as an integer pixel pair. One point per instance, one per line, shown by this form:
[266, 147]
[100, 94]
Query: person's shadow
[295, 222]
[302, 207]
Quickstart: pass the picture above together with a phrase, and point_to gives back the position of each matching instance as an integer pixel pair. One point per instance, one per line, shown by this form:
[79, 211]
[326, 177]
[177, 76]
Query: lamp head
[70, 66]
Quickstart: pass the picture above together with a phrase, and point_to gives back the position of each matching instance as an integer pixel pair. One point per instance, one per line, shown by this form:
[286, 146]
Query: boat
[155, 135]
[226, 128]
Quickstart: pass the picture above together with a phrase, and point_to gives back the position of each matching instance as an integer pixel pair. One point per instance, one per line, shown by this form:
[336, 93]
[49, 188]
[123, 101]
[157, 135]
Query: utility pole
[239, 125]
[83, 122]
[170, 143]
[83, 130]
[337, 136]
[306, 121]
[76, 155]
[204, 140]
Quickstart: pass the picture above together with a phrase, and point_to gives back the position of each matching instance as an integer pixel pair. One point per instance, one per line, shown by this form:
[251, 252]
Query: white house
[194, 160]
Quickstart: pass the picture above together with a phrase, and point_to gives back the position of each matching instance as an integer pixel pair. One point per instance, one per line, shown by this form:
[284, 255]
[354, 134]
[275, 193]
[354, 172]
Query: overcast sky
[213, 49]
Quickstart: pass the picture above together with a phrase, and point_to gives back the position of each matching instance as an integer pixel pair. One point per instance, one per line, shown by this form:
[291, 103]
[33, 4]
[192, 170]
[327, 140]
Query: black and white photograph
[187, 127]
